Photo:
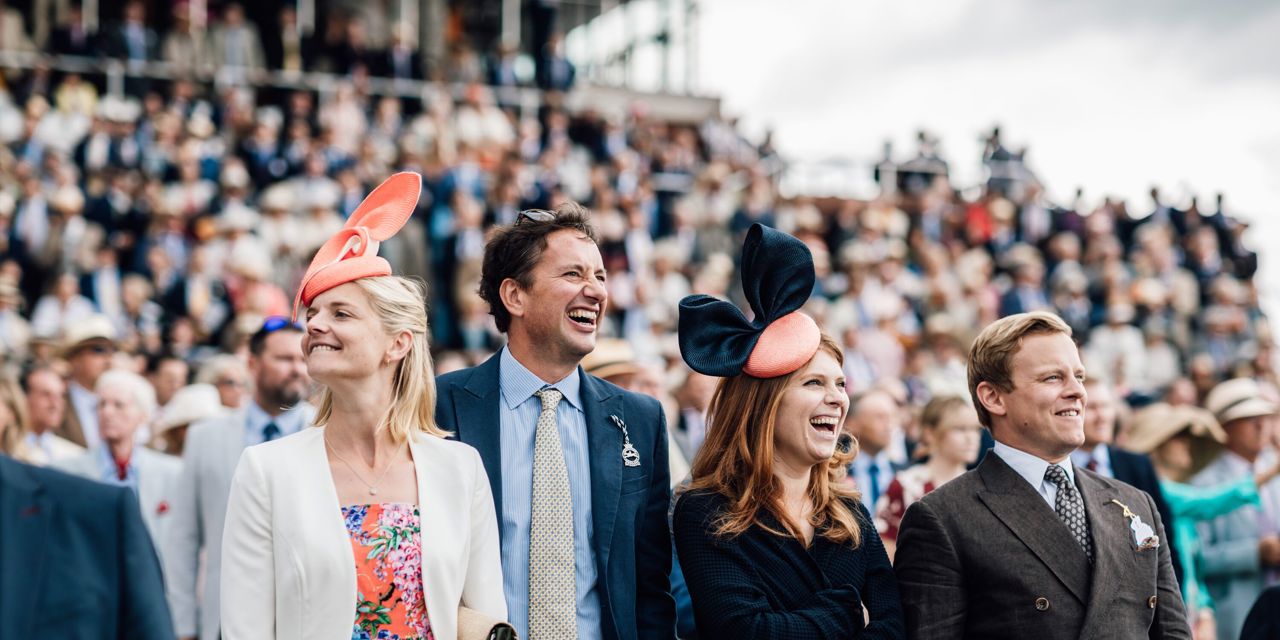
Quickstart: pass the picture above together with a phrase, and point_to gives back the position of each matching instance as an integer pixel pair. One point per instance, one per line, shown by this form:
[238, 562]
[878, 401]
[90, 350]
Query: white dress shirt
[1032, 469]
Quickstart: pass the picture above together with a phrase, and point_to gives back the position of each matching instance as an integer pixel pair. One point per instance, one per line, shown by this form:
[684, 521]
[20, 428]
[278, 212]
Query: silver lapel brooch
[630, 457]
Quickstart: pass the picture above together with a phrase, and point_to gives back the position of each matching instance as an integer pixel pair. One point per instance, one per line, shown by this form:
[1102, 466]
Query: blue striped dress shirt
[519, 419]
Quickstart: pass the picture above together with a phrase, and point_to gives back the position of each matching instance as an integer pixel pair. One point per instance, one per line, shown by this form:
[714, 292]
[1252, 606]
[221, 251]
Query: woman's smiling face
[813, 407]
[344, 338]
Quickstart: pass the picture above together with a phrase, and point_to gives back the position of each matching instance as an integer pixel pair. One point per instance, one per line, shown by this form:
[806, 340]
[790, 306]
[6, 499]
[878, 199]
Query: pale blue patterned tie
[552, 590]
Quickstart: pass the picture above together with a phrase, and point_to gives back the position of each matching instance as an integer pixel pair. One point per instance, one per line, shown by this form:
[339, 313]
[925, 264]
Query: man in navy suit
[531, 405]
[1100, 456]
[75, 560]
[874, 420]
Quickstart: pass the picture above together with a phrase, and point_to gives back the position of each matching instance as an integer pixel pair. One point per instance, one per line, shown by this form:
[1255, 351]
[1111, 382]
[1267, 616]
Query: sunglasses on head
[536, 215]
[276, 323]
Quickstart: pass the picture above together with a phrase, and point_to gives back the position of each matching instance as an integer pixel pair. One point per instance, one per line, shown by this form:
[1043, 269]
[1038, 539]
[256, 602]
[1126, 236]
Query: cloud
[1141, 88]
[1112, 96]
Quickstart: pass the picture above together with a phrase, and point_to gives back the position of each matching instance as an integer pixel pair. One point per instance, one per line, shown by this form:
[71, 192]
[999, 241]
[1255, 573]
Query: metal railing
[116, 71]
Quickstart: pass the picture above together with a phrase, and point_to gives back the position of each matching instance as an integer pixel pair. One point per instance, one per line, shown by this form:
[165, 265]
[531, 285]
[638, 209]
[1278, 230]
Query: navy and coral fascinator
[352, 252]
[716, 339]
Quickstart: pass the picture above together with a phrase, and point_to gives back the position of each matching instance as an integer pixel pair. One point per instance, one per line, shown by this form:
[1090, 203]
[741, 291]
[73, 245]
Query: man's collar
[108, 462]
[256, 417]
[517, 382]
[881, 458]
[1098, 454]
[1029, 466]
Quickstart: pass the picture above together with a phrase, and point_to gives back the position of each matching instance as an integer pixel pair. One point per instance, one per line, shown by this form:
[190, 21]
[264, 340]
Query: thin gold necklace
[373, 488]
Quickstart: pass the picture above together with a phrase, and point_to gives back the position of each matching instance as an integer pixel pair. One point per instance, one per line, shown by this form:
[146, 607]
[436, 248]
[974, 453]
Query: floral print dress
[386, 540]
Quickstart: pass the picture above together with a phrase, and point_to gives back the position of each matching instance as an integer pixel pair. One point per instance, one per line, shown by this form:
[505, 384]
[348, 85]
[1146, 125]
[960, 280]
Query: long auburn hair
[736, 461]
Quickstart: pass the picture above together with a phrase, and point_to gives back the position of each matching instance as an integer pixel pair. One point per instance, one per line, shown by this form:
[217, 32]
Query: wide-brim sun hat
[191, 403]
[611, 357]
[1156, 424]
[92, 329]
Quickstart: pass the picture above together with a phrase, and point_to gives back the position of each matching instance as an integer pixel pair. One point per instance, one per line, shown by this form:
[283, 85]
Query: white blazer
[209, 460]
[287, 566]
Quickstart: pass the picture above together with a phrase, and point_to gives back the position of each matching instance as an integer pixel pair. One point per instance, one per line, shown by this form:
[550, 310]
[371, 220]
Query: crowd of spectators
[186, 212]
[224, 45]
[155, 231]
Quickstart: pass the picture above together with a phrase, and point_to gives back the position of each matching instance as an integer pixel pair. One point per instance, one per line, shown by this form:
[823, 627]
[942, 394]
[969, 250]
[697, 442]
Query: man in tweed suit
[1026, 545]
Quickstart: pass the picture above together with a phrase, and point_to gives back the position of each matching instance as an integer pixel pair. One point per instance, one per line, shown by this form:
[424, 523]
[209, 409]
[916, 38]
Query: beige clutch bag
[473, 625]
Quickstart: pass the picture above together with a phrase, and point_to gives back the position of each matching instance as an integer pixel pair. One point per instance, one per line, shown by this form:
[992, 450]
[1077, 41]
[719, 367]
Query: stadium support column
[408, 24]
[690, 46]
[431, 34]
[306, 16]
[89, 16]
[511, 23]
[665, 38]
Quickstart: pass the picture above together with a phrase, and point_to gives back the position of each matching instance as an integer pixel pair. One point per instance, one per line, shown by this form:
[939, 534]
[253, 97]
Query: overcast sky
[1111, 96]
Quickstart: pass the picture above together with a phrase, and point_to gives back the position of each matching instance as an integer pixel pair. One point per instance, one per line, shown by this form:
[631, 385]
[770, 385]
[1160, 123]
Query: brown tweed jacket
[984, 556]
[71, 428]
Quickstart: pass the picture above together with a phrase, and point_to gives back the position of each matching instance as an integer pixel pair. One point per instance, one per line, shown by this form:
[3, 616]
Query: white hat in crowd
[1237, 399]
[86, 331]
[190, 404]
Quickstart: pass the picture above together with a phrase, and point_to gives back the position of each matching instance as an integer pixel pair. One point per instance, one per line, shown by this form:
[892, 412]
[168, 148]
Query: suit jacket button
[1042, 604]
[1151, 602]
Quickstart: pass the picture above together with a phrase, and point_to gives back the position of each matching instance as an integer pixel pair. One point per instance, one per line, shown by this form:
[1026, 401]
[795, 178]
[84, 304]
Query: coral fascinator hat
[716, 339]
[352, 252]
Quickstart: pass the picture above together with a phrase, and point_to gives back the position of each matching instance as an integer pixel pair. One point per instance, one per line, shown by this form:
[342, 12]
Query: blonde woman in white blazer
[371, 521]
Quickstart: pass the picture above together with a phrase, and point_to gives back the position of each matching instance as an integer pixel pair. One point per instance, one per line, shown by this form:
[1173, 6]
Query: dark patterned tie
[270, 432]
[1070, 508]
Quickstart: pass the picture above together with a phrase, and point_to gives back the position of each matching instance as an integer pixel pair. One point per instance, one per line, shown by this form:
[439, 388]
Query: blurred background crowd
[153, 222]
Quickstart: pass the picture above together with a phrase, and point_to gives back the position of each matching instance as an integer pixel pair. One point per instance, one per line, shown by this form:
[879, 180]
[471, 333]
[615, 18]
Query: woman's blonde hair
[931, 417]
[736, 461]
[940, 407]
[12, 435]
[400, 303]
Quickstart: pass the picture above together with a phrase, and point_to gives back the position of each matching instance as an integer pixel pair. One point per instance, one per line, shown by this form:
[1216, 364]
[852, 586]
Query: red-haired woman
[771, 544]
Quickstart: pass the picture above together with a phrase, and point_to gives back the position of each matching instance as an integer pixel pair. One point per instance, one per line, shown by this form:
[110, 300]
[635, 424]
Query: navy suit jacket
[628, 504]
[75, 560]
[1136, 470]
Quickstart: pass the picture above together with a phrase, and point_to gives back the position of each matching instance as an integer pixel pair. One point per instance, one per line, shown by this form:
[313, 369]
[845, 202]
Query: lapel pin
[1143, 535]
[630, 457]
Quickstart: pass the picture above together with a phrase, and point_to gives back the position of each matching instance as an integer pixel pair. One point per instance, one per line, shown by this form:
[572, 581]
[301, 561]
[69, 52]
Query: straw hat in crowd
[90, 331]
[189, 405]
[612, 357]
[1158, 423]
